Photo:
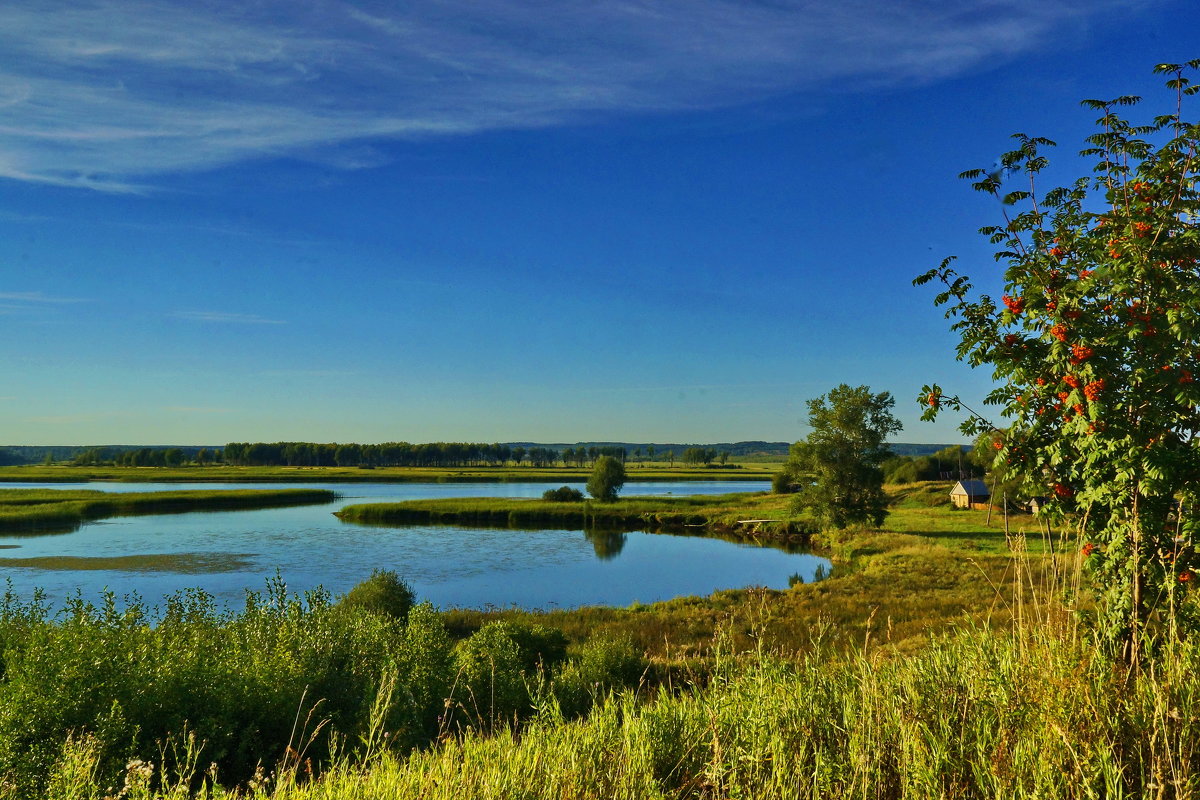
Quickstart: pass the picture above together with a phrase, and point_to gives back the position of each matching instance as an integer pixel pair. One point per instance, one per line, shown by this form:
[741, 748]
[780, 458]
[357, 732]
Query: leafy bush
[383, 593]
[605, 664]
[237, 681]
[563, 494]
[492, 688]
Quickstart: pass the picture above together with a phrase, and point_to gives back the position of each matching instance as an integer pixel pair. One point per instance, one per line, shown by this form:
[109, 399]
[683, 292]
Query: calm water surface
[226, 553]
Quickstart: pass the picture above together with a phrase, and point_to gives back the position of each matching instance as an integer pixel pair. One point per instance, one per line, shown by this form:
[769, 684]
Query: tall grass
[1015, 701]
[49, 510]
[754, 514]
[1036, 714]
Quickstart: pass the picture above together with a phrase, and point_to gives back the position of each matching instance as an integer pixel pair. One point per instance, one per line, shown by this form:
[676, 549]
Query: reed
[51, 510]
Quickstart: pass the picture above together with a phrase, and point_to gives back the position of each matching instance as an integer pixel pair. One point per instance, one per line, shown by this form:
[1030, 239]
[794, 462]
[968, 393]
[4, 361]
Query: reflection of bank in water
[608, 544]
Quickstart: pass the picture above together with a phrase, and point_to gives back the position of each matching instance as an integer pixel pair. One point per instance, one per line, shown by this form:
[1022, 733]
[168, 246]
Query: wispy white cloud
[225, 317]
[16, 299]
[111, 93]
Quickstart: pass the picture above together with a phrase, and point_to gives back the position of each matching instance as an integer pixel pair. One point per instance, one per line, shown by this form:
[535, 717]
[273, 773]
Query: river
[229, 552]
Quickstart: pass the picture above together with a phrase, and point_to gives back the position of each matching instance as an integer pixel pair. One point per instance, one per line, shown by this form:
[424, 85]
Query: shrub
[492, 687]
[563, 494]
[605, 664]
[382, 593]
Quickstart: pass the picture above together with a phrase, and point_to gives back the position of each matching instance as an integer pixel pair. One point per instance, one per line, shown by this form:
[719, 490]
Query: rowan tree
[1095, 349]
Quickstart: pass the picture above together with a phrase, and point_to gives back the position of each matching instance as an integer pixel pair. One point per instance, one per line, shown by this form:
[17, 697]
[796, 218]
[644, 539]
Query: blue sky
[484, 220]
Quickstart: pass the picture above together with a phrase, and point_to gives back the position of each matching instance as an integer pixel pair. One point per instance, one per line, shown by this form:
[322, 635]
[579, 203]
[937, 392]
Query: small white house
[969, 493]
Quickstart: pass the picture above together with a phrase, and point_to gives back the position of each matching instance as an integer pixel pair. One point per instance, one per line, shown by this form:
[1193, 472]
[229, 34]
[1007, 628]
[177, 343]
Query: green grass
[729, 513]
[939, 660]
[55, 510]
[1035, 714]
[508, 474]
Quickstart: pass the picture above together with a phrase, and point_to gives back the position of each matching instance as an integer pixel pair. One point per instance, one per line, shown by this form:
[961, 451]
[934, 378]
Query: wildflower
[1014, 304]
[1059, 332]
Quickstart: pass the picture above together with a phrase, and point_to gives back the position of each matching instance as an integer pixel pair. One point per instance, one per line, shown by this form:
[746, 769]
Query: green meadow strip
[718, 513]
[45, 510]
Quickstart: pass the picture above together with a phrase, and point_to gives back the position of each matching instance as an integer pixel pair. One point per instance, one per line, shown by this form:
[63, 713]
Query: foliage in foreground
[978, 715]
[1095, 350]
[294, 675]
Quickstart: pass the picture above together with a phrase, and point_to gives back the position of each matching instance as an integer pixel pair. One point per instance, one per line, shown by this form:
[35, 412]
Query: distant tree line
[146, 457]
[950, 463]
[405, 454]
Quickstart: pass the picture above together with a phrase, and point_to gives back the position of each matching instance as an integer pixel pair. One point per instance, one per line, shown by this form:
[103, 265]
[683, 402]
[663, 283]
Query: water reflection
[224, 553]
[607, 544]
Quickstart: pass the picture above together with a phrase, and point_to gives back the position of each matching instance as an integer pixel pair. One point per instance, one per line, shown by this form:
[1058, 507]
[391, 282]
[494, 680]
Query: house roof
[971, 488]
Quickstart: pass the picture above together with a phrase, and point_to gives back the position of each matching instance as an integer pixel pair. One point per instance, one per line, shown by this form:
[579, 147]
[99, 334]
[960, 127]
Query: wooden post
[1007, 541]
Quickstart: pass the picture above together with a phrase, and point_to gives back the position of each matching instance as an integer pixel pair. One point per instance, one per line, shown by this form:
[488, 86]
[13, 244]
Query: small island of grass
[64, 510]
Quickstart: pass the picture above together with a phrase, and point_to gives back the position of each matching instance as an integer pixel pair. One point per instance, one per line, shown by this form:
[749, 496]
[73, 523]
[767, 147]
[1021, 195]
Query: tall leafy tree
[608, 476]
[842, 482]
[1095, 350]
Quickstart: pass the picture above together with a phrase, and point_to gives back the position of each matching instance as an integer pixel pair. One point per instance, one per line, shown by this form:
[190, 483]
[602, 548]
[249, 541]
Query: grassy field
[753, 515]
[942, 658]
[929, 569]
[57, 510]
[641, 471]
[1037, 714]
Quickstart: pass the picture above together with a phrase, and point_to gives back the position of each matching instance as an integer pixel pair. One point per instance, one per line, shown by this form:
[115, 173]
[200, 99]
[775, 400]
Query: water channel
[226, 553]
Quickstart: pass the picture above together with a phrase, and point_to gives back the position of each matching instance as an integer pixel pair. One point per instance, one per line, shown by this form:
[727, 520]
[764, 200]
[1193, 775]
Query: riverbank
[639, 472]
[57, 510]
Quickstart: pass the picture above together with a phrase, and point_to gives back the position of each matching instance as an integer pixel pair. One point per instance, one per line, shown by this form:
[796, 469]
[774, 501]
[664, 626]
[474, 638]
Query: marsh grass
[725, 514]
[55, 510]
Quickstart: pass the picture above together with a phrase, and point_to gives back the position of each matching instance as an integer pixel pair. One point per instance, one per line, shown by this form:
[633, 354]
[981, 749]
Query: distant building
[970, 493]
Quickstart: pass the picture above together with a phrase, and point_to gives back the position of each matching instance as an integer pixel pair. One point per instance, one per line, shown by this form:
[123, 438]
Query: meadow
[941, 658]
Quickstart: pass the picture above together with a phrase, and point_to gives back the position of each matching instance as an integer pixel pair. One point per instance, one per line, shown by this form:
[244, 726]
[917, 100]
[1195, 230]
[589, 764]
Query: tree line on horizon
[405, 454]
